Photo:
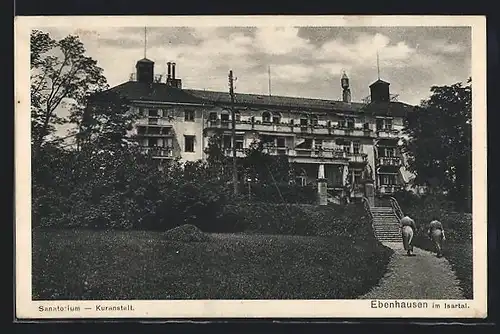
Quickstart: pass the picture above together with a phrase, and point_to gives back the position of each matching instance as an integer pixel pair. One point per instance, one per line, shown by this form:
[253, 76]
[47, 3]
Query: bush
[122, 189]
[350, 221]
[279, 193]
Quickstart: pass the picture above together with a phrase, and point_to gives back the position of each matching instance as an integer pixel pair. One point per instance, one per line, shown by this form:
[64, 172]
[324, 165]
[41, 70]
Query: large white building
[331, 139]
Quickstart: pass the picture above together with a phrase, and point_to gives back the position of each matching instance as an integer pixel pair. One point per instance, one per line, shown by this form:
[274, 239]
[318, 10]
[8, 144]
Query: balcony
[299, 153]
[389, 161]
[388, 133]
[159, 152]
[240, 152]
[291, 128]
[386, 189]
[358, 157]
[154, 121]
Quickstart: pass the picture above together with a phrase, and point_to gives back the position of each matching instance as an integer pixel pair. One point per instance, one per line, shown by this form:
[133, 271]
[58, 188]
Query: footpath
[423, 276]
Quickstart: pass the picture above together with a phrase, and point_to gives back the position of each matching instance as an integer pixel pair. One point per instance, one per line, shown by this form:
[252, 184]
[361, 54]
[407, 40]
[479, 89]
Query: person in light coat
[408, 229]
[436, 235]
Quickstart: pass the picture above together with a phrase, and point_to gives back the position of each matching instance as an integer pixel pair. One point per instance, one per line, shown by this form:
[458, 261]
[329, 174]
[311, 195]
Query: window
[266, 117]
[167, 142]
[153, 113]
[314, 120]
[226, 142]
[389, 152]
[280, 142]
[188, 143]
[303, 120]
[318, 144]
[151, 142]
[276, 118]
[239, 142]
[380, 124]
[366, 126]
[356, 147]
[388, 179]
[388, 124]
[346, 146]
[301, 181]
[154, 130]
[350, 123]
[224, 118]
[212, 117]
[237, 116]
[189, 115]
[357, 176]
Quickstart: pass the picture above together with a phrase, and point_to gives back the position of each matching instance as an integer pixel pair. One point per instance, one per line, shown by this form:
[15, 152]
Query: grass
[115, 265]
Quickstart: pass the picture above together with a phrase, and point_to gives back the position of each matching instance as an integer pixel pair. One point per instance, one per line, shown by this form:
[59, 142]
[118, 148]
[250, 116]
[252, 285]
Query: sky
[303, 61]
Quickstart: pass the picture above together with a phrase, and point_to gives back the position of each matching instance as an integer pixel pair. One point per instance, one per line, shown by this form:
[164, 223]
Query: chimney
[169, 70]
[173, 71]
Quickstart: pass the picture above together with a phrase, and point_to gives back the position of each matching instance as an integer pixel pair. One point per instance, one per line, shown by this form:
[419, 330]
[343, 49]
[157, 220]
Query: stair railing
[396, 208]
[366, 204]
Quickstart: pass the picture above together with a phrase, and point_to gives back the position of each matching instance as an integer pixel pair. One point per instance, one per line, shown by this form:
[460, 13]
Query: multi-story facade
[326, 139]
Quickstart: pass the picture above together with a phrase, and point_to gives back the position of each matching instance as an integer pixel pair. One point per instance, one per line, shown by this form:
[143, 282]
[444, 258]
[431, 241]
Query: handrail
[366, 204]
[396, 207]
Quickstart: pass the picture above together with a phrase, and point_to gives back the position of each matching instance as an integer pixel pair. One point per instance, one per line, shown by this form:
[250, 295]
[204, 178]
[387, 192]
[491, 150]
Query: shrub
[279, 193]
[350, 221]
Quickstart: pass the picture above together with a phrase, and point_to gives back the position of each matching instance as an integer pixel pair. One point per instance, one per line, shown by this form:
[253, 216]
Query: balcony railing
[300, 153]
[240, 152]
[388, 133]
[386, 189]
[389, 161]
[154, 121]
[291, 128]
[163, 152]
[358, 157]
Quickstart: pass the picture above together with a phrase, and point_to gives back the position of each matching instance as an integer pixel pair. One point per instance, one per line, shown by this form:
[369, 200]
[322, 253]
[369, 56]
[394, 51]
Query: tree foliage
[440, 141]
[60, 71]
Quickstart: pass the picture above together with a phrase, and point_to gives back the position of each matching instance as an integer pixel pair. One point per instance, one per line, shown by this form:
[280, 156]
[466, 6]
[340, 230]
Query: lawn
[114, 265]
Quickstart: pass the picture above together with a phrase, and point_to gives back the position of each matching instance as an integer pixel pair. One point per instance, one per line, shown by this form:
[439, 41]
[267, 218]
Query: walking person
[436, 235]
[408, 229]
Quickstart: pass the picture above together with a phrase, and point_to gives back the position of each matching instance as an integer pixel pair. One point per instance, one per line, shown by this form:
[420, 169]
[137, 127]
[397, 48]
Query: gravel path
[423, 276]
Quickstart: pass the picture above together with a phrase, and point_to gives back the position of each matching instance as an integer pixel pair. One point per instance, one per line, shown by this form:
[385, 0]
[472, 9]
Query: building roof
[145, 60]
[161, 92]
[380, 82]
[158, 92]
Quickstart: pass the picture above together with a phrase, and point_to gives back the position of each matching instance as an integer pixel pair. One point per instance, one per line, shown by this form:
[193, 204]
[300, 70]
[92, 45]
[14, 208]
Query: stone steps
[386, 224]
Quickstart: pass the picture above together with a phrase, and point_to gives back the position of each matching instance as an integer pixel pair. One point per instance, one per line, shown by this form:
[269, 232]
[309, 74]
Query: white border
[28, 309]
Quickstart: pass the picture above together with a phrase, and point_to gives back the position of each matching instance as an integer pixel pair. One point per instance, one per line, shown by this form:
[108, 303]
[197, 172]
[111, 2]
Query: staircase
[386, 224]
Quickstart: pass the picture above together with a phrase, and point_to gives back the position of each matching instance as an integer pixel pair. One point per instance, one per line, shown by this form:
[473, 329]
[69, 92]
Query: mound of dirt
[186, 233]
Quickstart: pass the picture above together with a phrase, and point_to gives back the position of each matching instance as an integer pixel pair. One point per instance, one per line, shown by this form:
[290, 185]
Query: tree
[105, 123]
[440, 141]
[217, 162]
[60, 71]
